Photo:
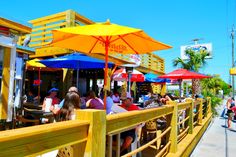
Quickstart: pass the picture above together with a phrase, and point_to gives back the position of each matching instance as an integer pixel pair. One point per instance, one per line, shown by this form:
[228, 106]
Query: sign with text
[197, 48]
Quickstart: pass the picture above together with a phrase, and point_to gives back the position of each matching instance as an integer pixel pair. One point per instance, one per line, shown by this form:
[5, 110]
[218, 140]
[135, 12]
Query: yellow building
[12, 62]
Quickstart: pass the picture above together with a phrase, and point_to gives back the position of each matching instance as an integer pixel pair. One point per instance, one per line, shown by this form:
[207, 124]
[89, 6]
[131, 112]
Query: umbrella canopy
[96, 37]
[181, 74]
[150, 77]
[74, 61]
[34, 63]
[184, 74]
[161, 80]
[105, 38]
[121, 75]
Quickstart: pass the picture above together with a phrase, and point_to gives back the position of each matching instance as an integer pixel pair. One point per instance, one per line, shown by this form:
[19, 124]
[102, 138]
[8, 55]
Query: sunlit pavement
[218, 140]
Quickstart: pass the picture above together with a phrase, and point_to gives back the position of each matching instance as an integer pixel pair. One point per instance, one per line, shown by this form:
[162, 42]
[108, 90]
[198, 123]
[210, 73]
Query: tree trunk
[196, 87]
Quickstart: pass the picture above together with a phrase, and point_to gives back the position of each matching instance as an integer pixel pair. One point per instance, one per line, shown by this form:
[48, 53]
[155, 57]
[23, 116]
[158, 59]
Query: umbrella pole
[39, 87]
[77, 79]
[129, 82]
[106, 69]
[180, 92]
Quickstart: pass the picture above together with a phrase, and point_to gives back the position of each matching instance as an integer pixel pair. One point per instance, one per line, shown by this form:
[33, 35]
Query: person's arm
[168, 98]
[44, 105]
[228, 104]
[88, 103]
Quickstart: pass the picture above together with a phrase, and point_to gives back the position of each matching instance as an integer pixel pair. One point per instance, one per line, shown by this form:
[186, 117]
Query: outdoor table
[32, 106]
[38, 114]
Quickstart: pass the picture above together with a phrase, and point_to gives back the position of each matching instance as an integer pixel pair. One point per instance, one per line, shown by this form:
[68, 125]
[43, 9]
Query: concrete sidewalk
[218, 140]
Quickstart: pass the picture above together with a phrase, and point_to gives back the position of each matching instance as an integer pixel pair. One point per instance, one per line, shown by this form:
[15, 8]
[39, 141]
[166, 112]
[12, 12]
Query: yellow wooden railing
[41, 36]
[91, 134]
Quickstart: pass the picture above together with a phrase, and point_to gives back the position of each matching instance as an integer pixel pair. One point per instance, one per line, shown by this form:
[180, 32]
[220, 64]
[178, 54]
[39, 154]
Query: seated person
[94, 102]
[71, 90]
[109, 103]
[71, 103]
[128, 136]
[51, 102]
[165, 98]
[116, 97]
[30, 98]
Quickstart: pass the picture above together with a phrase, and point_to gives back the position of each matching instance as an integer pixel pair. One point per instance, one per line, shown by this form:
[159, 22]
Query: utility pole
[232, 36]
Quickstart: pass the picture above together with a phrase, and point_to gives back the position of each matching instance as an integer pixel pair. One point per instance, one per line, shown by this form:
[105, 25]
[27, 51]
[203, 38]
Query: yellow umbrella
[35, 63]
[106, 38]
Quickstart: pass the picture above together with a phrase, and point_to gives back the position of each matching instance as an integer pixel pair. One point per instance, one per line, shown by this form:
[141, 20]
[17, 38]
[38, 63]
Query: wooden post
[174, 128]
[200, 111]
[190, 121]
[70, 18]
[5, 83]
[208, 105]
[96, 141]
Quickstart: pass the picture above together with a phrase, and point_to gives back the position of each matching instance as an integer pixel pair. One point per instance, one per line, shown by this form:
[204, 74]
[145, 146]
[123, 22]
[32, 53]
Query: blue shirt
[109, 103]
[61, 103]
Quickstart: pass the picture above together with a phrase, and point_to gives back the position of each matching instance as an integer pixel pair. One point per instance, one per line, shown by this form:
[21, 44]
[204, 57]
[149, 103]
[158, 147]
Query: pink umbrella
[122, 75]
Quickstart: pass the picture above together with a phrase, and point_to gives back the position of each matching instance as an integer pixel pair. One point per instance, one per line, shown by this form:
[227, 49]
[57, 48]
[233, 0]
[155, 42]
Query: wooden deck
[87, 135]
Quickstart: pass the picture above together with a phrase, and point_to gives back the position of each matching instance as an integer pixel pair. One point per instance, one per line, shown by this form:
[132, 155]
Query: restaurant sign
[198, 48]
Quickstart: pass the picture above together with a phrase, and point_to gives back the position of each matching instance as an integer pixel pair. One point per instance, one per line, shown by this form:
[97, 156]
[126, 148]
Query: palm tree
[212, 85]
[194, 63]
[211, 88]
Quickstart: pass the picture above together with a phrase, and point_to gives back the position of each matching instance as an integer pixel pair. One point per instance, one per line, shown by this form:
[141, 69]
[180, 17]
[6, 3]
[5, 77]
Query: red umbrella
[181, 74]
[184, 74]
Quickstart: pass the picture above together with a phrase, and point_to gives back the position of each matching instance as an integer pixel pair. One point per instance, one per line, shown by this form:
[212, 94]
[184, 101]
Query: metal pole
[129, 82]
[232, 36]
[77, 78]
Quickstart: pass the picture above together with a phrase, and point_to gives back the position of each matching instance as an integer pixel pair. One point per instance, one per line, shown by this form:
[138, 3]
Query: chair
[65, 152]
[62, 152]
[151, 129]
[135, 144]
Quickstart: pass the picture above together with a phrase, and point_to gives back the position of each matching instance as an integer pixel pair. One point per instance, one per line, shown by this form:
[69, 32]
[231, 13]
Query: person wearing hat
[127, 103]
[128, 136]
[51, 101]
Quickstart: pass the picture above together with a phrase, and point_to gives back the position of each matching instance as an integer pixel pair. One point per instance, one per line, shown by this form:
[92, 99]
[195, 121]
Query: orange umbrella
[106, 38]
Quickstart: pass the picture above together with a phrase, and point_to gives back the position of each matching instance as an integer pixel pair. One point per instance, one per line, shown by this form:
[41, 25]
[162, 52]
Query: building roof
[20, 28]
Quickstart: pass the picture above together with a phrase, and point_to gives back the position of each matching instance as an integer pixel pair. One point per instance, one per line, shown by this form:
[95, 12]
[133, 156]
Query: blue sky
[169, 21]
